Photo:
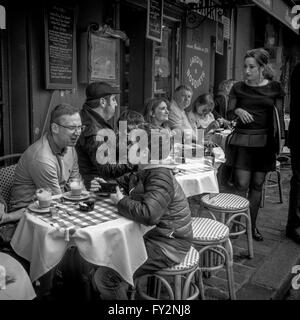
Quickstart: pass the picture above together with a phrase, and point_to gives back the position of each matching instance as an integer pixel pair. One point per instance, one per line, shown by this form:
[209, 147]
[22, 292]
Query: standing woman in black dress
[253, 147]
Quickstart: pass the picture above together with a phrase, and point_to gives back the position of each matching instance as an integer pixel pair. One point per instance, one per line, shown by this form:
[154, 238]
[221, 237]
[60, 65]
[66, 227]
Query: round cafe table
[20, 288]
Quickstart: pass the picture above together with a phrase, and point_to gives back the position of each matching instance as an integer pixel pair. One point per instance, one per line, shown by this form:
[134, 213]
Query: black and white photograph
[149, 154]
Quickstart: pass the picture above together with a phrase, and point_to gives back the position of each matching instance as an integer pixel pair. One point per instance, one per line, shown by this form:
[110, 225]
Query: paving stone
[276, 270]
[254, 292]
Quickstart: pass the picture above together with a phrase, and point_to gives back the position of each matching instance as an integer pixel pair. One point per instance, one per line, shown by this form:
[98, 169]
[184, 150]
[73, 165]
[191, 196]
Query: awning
[2, 17]
[279, 10]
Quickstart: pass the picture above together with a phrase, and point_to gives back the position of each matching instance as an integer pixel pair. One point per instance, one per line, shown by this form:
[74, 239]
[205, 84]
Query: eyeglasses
[72, 128]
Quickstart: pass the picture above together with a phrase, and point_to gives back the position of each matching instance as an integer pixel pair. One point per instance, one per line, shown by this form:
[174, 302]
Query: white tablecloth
[196, 177]
[220, 138]
[21, 288]
[117, 244]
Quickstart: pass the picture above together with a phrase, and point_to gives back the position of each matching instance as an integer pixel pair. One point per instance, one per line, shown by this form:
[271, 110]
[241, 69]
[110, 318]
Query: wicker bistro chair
[7, 170]
[270, 182]
[211, 238]
[172, 280]
[231, 207]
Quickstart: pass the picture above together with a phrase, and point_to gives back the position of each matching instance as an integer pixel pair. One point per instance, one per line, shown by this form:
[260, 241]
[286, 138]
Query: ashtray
[87, 205]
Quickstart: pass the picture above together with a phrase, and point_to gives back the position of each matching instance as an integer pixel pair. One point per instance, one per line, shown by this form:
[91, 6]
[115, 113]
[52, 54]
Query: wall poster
[60, 54]
[103, 58]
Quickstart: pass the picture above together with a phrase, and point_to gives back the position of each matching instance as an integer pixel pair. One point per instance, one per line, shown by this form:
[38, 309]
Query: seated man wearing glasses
[52, 160]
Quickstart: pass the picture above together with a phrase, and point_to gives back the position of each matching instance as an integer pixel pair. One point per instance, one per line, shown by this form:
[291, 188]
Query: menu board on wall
[155, 20]
[60, 47]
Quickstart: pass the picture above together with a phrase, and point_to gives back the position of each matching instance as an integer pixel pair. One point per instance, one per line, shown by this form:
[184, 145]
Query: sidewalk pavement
[268, 275]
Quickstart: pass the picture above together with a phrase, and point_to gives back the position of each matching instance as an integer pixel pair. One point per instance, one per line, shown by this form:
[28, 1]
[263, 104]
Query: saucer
[34, 207]
[68, 195]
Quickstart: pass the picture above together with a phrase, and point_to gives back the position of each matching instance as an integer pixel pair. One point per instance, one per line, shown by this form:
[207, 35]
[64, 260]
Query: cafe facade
[50, 52]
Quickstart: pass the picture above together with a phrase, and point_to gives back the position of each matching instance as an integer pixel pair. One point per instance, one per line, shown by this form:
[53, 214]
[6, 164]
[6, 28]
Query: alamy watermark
[296, 19]
[296, 278]
[2, 278]
[133, 146]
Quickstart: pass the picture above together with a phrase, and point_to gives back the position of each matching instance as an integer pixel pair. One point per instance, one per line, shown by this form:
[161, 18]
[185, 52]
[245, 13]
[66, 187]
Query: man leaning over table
[98, 109]
[51, 161]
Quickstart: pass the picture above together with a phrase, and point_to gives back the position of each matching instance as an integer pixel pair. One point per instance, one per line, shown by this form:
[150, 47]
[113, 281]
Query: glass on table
[44, 197]
[76, 186]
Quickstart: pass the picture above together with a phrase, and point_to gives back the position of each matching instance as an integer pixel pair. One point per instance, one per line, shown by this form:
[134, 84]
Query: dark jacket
[156, 199]
[87, 147]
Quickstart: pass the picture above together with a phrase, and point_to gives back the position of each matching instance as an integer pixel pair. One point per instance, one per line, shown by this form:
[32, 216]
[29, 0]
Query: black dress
[259, 101]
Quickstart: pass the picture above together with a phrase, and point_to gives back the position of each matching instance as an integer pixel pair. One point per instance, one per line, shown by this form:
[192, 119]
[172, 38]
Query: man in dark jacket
[293, 223]
[99, 107]
[152, 197]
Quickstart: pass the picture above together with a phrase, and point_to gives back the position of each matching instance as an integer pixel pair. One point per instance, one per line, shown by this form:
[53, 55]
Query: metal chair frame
[233, 214]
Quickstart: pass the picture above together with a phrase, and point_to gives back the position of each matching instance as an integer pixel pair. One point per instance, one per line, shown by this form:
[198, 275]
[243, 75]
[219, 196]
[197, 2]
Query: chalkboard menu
[60, 47]
[155, 20]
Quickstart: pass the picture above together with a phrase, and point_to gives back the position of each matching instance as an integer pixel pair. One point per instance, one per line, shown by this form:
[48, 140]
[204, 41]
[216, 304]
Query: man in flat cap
[99, 107]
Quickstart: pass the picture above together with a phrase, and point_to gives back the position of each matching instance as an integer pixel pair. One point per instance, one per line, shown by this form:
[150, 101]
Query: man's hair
[61, 110]
[205, 98]
[184, 87]
[151, 105]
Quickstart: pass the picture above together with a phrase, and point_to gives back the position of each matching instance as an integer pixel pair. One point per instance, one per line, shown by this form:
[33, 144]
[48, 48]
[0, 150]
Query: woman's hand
[213, 125]
[244, 116]
[116, 197]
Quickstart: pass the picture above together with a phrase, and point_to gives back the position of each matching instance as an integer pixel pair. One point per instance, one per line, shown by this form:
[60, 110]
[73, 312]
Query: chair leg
[199, 280]
[229, 269]
[249, 235]
[177, 284]
[279, 186]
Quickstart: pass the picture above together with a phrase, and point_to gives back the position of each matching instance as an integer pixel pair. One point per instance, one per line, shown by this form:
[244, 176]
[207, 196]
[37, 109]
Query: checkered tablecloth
[69, 215]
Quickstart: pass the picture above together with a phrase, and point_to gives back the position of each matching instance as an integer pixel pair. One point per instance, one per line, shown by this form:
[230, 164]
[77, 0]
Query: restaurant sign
[155, 20]
[60, 47]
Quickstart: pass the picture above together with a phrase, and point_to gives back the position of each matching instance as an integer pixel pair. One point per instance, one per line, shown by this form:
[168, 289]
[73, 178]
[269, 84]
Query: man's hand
[95, 186]
[244, 115]
[116, 197]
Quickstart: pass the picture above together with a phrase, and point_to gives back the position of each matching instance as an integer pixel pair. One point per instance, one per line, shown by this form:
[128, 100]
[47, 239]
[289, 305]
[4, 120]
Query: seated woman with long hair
[201, 116]
[156, 112]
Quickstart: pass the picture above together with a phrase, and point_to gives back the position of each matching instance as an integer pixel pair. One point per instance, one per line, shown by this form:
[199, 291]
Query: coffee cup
[44, 197]
[76, 187]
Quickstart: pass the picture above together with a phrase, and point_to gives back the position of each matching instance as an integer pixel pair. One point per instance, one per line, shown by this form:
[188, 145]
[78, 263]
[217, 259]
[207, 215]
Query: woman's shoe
[256, 235]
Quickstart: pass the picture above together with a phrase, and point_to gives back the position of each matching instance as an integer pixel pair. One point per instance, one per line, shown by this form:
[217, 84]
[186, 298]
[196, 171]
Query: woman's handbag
[248, 138]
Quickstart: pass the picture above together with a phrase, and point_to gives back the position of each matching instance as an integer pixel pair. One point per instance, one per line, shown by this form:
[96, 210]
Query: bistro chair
[271, 182]
[179, 281]
[7, 171]
[211, 238]
[231, 208]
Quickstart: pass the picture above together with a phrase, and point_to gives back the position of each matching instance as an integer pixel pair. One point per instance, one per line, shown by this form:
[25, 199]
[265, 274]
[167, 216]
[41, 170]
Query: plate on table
[34, 207]
[68, 195]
